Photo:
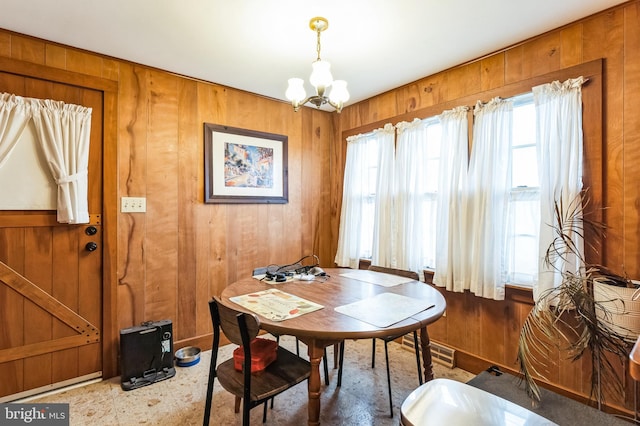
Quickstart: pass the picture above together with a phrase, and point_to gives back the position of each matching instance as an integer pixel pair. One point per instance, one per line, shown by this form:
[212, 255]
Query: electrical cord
[288, 268]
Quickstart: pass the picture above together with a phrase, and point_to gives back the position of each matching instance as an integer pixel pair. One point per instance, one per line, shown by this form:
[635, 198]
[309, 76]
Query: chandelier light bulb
[321, 77]
[339, 93]
[295, 92]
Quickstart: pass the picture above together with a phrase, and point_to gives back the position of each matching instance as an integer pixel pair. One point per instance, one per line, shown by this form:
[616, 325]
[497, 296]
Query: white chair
[451, 403]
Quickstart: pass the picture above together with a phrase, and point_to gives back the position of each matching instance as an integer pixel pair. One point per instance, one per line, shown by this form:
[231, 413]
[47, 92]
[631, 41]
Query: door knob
[90, 246]
[91, 230]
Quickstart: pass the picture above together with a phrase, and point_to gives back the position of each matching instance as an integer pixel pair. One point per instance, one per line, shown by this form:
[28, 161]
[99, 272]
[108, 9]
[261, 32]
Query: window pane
[430, 203]
[366, 235]
[524, 207]
[524, 123]
[524, 217]
[524, 167]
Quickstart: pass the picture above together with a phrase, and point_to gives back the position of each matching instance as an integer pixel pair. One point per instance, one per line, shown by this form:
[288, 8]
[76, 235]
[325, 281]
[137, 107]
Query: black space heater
[146, 354]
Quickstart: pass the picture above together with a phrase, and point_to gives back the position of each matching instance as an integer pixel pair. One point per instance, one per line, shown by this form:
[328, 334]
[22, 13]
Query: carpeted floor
[361, 400]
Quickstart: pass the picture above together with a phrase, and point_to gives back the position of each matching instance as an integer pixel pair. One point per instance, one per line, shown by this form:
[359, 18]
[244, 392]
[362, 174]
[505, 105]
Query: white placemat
[378, 278]
[384, 309]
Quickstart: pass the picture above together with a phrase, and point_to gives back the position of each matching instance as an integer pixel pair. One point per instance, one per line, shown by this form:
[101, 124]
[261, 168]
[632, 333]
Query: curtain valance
[63, 132]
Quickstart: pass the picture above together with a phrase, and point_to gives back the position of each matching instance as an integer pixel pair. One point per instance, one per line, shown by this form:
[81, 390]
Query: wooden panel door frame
[109, 220]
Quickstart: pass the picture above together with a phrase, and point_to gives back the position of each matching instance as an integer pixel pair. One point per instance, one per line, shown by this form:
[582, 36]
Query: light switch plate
[133, 205]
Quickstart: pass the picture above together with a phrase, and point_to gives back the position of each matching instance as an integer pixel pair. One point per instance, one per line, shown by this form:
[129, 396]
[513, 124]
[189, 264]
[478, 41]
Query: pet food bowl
[187, 356]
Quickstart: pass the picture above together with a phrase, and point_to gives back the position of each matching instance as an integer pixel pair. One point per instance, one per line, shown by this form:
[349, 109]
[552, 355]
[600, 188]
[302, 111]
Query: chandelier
[320, 78]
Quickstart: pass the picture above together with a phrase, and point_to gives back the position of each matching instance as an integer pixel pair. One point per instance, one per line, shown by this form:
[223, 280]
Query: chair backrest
[240, 328]
[401, 272]
[227, 319]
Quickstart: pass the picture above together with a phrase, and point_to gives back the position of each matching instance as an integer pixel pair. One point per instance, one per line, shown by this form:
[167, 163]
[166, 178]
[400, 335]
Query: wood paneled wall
[170, 260]
[488, 330]
[181, 252]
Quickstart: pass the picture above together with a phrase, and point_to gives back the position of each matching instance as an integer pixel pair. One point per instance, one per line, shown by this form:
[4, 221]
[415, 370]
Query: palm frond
[567, 319]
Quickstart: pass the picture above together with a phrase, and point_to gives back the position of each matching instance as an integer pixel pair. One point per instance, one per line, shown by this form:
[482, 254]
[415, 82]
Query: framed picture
[244, 166]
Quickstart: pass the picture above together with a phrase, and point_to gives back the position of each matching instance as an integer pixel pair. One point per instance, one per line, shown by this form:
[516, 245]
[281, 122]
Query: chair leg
[207, 405]
[264, 411]
[373, 353]
[340, 364]
[417, 346]
[236, 408]
[325, 364]
[386, 355]
[246, 407]
[297, 347]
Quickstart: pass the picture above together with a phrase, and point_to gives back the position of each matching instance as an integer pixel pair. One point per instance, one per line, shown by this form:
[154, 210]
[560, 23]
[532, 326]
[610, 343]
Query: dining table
[340, 305]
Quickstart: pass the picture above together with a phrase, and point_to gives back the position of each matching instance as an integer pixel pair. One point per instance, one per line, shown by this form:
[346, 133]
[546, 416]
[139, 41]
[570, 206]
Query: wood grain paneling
[631, 124]
[492, 72]
[27, 49]
[161, 218]
[542, 55]
[133, 117]
[603, 38]
[571, 45]
[39, 245]
[189, 153]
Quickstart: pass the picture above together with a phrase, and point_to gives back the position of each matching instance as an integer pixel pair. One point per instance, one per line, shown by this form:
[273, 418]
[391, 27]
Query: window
[490, 210]
[521, 248]
[524, 198]
[369, 200]
[366, 196]
[425, 142]
[430, 197]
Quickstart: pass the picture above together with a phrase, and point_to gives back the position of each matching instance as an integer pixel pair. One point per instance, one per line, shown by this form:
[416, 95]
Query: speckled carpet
[361, 400]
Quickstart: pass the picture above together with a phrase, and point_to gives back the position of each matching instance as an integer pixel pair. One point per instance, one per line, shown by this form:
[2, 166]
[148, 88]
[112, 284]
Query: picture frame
[244, 166]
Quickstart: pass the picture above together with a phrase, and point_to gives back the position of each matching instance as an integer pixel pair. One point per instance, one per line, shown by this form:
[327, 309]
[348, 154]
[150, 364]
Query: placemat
[378, 278]
[384, 309]
[275, 304]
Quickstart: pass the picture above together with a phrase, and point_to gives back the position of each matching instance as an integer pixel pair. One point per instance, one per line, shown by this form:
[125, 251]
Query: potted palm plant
[573, 319]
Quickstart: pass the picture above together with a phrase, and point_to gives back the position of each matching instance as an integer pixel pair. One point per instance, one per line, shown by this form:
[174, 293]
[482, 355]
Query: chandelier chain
[318, 44]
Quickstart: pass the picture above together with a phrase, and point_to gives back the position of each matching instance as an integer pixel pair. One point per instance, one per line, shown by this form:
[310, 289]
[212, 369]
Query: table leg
[316, 352]
[425, 347]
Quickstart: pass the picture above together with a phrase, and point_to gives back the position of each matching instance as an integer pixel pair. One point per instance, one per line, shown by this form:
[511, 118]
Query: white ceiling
[256, 45]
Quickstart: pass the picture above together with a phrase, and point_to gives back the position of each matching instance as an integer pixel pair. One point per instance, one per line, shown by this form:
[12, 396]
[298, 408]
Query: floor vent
[439, 353]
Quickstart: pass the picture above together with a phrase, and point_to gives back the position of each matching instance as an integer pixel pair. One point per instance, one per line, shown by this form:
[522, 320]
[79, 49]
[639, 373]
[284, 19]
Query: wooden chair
[325, 365]
[252, 389]
[386, 339]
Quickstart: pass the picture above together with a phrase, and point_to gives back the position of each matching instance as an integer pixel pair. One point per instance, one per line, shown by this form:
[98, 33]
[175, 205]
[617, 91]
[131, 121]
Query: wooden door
[51, 274]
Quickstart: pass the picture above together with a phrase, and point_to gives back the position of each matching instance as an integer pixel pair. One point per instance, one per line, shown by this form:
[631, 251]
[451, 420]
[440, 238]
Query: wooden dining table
[325, 327]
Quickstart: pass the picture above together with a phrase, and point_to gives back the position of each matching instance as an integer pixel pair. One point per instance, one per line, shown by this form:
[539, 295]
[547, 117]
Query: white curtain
[410, 190]
[559, 140]
[64, 131]
[483, 273]
[452, 182]
[383, 220]
[358, 189]
[14, 116]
